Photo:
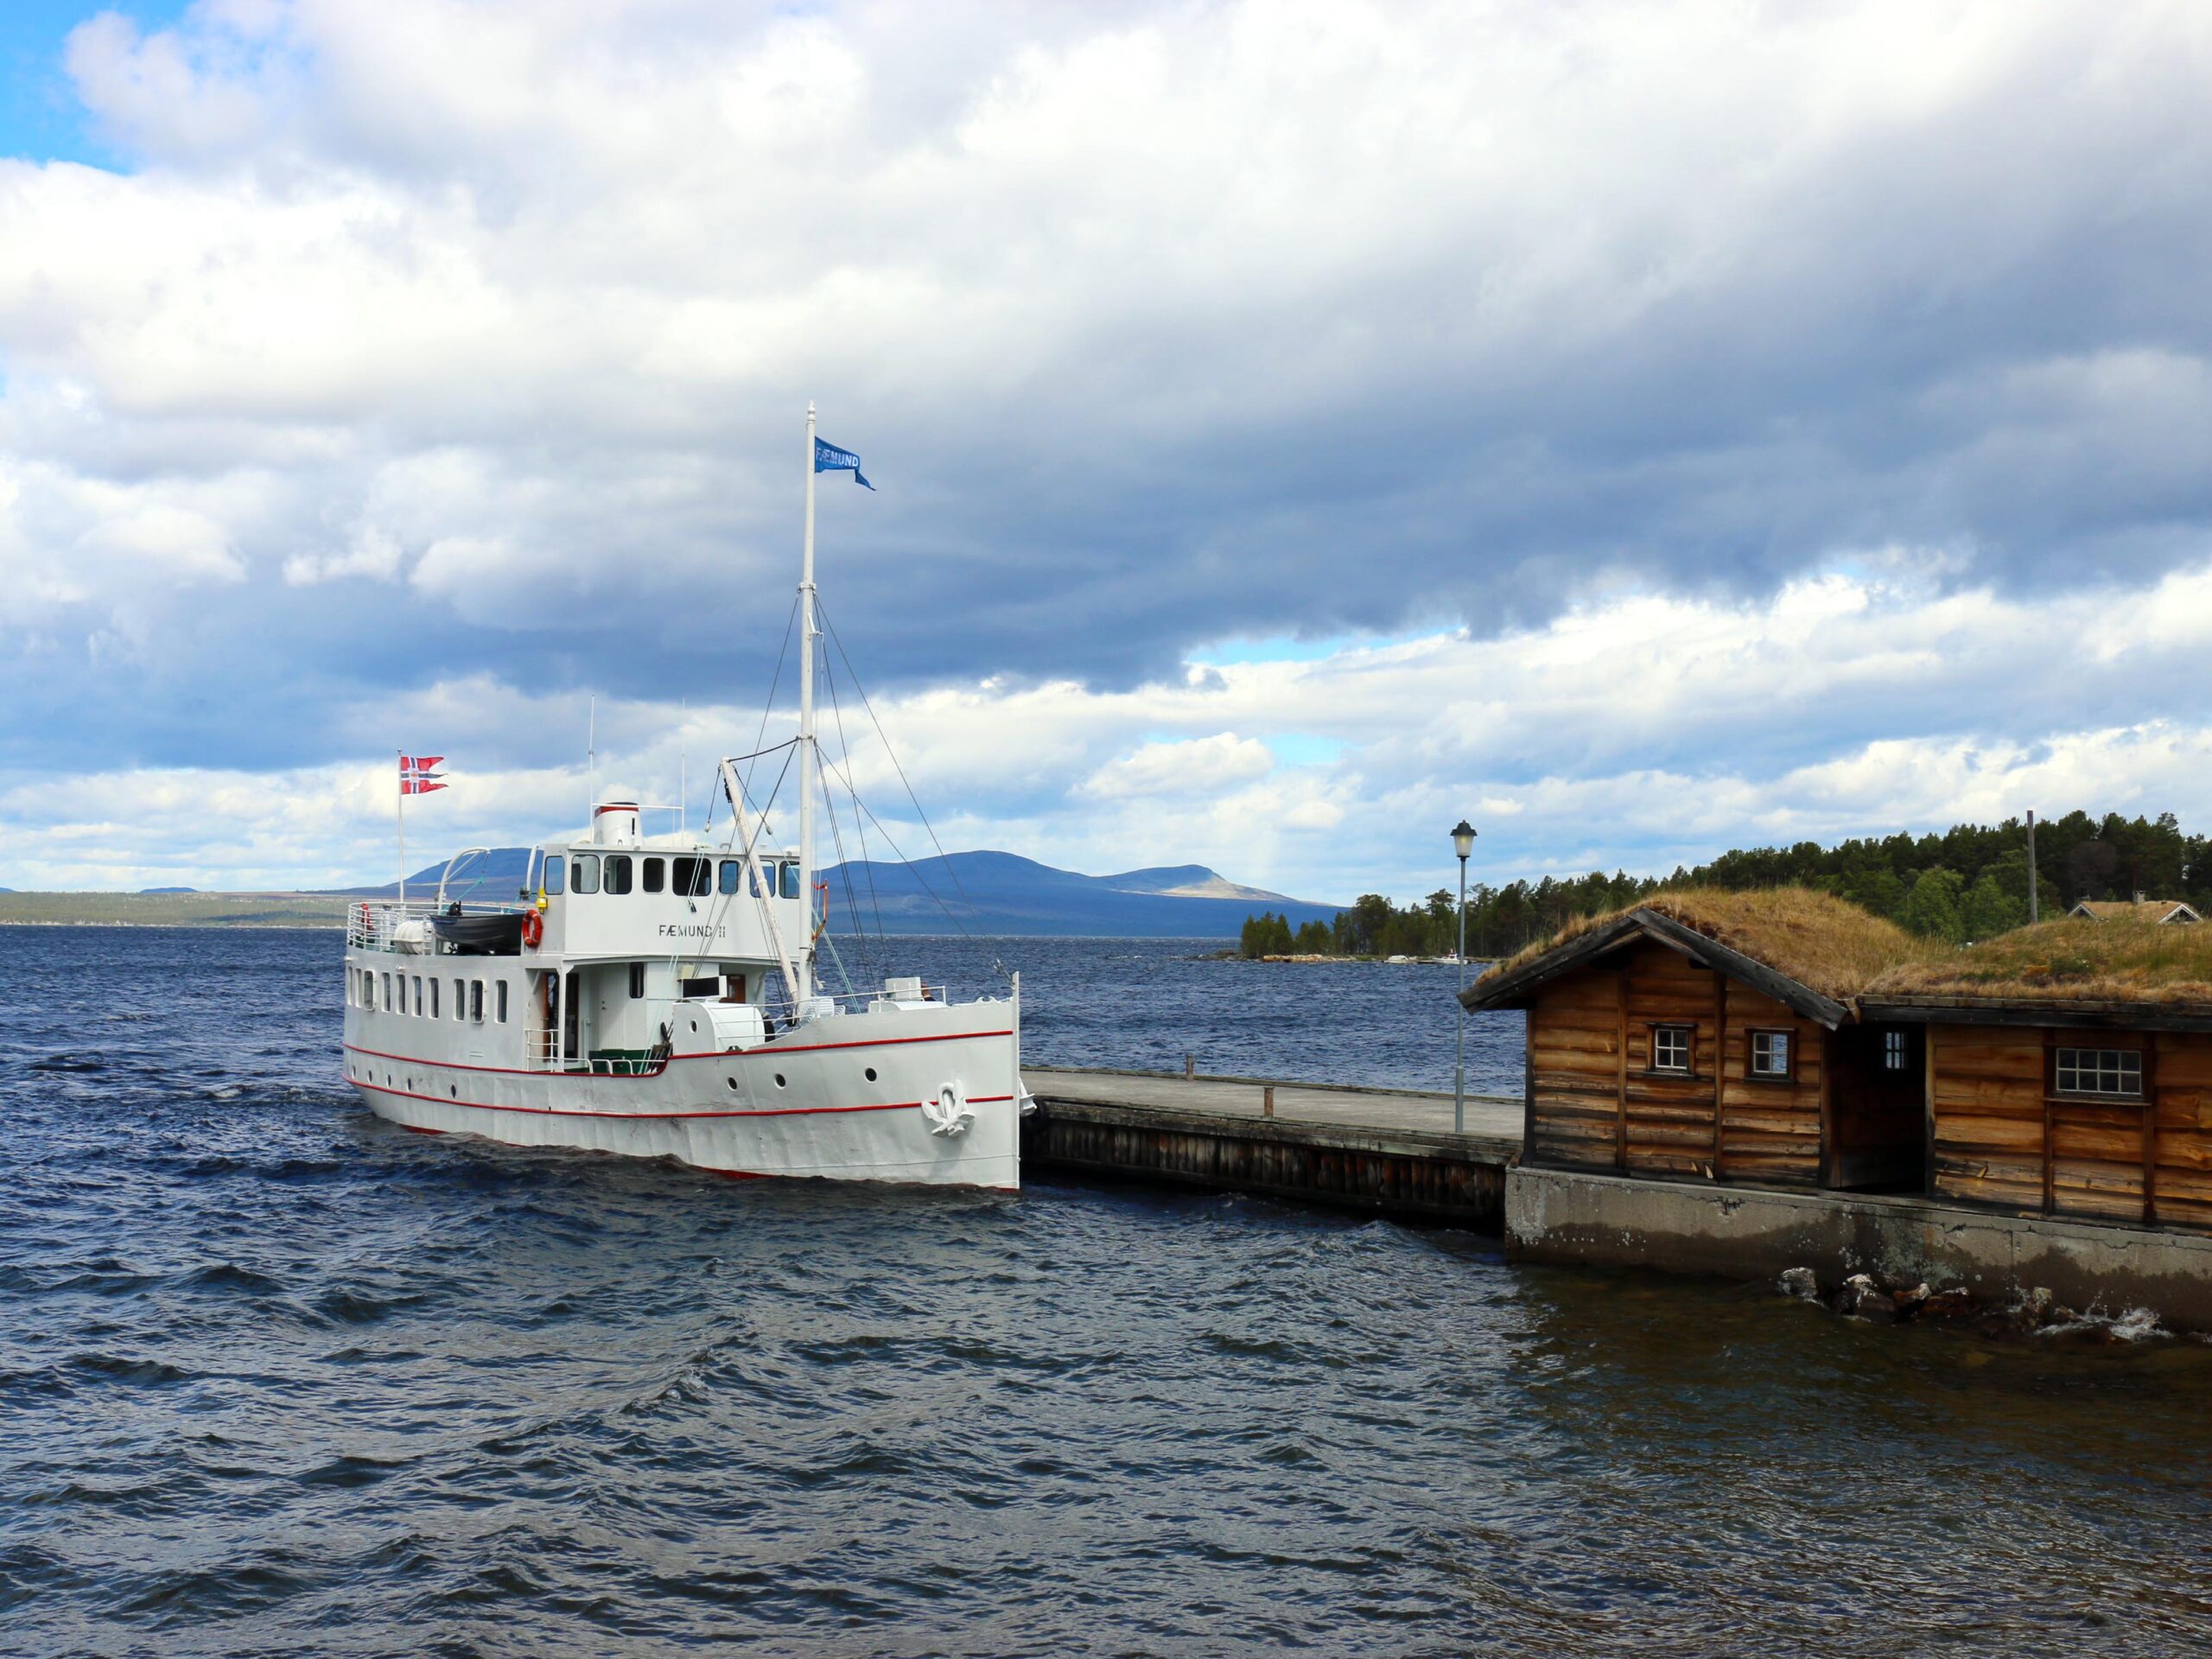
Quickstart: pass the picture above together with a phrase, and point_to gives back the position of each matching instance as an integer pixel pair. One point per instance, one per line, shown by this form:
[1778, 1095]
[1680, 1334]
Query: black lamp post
[1463, 844]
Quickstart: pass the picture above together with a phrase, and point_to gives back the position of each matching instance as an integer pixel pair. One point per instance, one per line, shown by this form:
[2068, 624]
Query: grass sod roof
[1822, 942]
[2072, 960]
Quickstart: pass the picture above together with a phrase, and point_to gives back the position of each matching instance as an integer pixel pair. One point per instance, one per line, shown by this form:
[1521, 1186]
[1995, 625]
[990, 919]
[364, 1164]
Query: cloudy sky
[1642, 429]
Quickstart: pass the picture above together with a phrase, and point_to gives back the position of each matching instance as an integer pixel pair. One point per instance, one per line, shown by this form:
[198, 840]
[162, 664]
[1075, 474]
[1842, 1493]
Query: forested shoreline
[1969, 883]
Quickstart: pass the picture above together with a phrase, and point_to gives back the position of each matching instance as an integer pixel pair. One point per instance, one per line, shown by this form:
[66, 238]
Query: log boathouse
[1742, 1082]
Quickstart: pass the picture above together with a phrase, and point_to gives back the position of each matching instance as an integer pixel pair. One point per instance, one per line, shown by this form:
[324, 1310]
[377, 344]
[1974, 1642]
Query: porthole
[871, 1074]
[732, 1081]
[780, 1081]
[454, 1089]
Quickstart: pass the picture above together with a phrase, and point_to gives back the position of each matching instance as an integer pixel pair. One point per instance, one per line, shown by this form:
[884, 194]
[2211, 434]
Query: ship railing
[373, 923]
[781, 1012]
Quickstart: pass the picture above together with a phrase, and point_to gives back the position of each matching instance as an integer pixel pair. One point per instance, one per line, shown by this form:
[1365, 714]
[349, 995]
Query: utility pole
[2034, 908]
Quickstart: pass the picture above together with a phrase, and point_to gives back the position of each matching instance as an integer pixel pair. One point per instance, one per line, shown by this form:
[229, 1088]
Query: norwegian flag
[415, 774]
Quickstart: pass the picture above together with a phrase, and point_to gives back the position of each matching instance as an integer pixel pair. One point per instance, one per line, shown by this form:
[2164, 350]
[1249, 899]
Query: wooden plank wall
[1596, 1104]
[2181, 1170]
[1574, 1063]
[1771, 1129]
[2001, 1138]
[1669, 1121]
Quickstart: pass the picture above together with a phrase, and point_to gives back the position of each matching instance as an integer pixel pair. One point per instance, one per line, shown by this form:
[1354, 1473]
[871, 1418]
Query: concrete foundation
[1562, 1215]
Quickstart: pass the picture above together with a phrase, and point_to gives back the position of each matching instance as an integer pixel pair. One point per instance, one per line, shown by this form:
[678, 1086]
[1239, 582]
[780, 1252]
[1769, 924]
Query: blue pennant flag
[828, 458]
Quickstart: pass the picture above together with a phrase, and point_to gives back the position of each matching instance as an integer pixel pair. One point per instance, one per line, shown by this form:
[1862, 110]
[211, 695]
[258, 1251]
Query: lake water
[278, 1378]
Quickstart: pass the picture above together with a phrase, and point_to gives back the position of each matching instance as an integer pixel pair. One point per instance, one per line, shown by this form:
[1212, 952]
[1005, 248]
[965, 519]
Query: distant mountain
[494, 875]
[1004, 893]
[153, 889]
[1192, 881]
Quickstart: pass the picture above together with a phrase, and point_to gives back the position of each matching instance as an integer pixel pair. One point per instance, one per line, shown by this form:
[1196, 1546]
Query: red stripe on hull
[650, 1117]
[764, 1053]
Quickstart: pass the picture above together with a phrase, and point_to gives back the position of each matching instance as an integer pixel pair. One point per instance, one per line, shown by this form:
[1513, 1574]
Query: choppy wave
[277, 1379]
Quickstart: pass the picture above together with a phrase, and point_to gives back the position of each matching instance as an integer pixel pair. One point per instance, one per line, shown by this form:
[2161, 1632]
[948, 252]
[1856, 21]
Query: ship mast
[804, 954]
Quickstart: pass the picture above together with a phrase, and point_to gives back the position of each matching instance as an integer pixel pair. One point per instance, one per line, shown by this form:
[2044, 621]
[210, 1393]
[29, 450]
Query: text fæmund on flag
[416, 775]
[828, 458]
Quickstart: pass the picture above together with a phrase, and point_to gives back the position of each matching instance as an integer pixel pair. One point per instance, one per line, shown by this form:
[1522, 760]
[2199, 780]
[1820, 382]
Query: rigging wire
[768, 703]
[837, 841]
[892, 841]
[862, 691]
[860, 830]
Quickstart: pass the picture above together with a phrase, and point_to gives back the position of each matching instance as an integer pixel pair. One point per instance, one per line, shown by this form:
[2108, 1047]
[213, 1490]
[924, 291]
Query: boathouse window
[502, 988]
[587, 872]
[1670, 1048]
[656, 870]
[1770, 1054]
[732, 868]
[637, 979]
[2116, 1072]
[617, 873]
[790, 881]
[434, 999]
[1896, 1054]
[556, 876]
[476, 1001]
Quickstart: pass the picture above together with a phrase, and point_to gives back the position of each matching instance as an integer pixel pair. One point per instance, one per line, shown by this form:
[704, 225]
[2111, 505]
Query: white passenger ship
[657, 996]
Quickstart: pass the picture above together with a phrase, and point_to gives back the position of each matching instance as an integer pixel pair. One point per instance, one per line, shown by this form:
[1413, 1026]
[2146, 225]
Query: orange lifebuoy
[533, 928]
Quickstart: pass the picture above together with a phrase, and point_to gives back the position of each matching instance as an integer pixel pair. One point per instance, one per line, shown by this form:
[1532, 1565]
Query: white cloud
[1193, 765]
[1693, 726]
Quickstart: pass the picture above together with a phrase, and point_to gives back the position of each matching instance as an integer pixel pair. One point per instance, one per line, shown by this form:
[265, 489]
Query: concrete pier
[1386, 1152]
[1738, 1232]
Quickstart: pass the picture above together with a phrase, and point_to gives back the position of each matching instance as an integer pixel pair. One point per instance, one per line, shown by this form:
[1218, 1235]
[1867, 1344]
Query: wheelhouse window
[587, 872]
[617, 873]
[2113, 1071]
[656, 872]
[556, 874]
[1897, 1053]
[1770, 1054]
[790, 881]
[733, 869]
[1670, 1048]
[690, 877]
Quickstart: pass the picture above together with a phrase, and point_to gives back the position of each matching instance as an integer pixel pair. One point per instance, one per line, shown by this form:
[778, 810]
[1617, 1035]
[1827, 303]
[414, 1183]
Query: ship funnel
[614, 820]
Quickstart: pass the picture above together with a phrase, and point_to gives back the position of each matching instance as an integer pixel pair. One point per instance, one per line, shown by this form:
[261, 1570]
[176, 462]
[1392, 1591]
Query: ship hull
[856, 1098]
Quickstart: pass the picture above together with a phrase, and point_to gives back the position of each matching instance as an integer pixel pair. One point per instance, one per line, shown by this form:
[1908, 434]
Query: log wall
[1596, 1101]
[2003, 1136]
